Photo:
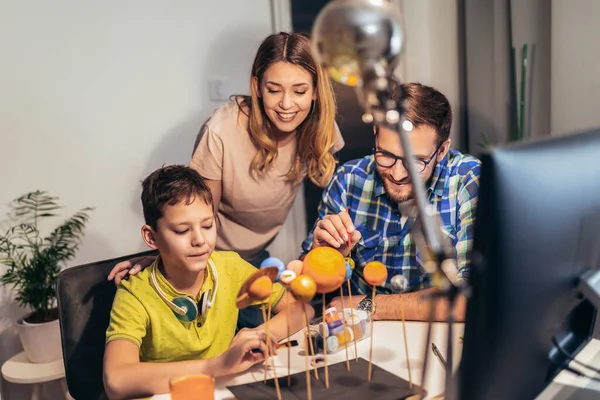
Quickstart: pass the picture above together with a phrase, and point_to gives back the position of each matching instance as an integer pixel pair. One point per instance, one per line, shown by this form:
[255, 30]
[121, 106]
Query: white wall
[531, 25]
[95, 95]
[575, 99]
[575, 65]
[431, 49]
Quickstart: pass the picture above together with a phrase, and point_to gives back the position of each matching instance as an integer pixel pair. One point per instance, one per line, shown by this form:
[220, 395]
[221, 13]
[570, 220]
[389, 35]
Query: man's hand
[239, 357]
[334, 230]
[337, 302]
[129, 267]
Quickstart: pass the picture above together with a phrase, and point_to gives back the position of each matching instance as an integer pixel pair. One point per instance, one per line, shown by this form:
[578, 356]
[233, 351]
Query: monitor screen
[537, 232]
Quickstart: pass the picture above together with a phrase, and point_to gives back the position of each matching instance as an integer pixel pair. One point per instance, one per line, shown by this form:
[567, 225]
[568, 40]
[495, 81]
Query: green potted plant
[33, 262]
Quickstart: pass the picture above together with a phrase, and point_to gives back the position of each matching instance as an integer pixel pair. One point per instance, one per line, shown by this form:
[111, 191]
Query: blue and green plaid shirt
[452, 190]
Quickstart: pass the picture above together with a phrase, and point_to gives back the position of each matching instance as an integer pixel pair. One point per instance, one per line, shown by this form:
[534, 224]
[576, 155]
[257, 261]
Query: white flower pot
[41, 342]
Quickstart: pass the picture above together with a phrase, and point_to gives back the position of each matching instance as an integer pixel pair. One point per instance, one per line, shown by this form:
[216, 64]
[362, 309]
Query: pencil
[438, 355]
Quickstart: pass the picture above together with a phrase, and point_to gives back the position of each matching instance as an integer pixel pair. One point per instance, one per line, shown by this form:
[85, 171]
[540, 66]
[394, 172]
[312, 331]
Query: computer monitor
[537, 233]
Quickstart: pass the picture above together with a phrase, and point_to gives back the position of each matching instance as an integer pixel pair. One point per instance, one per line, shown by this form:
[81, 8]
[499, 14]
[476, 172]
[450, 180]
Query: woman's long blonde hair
[316, 134]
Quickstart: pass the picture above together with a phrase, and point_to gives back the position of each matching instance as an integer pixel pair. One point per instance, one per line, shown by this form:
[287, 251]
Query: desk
[388, 353]
[18, 369]
[568, 386]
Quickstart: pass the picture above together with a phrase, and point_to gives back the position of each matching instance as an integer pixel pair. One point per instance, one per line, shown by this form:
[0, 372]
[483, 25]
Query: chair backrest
[85, 298]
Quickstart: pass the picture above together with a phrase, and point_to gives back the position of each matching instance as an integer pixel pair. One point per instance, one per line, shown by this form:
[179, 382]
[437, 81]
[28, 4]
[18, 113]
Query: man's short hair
[424, 105]
[171, 185]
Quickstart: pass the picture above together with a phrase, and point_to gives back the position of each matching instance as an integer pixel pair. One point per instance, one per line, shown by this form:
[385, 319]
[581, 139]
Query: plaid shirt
[386, 237]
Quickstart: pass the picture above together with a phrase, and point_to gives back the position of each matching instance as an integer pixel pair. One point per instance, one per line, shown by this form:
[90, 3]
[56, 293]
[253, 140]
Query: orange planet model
[327, 267]
[375, 273]
[303, 288]
[260, 288]
[251, 291]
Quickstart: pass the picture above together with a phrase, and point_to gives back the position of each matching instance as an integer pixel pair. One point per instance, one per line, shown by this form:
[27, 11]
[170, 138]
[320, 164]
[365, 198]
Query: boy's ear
[149, 236]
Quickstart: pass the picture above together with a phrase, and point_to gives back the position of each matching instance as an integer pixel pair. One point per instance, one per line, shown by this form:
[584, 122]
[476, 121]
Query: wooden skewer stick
[325, 348]
[310, 344]
[344, 309]
[352, 316]
[267, 354]
[272, 358]
[371, 346]
[288, 348]
[275, 378]
[405, 341]
[346, 338]
[269, 336]
[309, 391]
[351, 308]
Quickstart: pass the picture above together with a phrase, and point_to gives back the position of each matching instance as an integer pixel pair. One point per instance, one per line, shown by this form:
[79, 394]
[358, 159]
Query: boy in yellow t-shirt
[178, 317]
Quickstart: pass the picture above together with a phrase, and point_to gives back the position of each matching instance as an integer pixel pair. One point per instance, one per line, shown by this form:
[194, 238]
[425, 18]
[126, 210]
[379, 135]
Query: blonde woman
[255, 151]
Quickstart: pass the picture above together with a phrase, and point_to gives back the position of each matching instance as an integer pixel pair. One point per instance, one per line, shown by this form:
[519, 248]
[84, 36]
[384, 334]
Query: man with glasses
[362, 204]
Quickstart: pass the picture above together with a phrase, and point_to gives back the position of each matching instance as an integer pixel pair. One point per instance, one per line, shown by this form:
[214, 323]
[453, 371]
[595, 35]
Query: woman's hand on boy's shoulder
[124, 269]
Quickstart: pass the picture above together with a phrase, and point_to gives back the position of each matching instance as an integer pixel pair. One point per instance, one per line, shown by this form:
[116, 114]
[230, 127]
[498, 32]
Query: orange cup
[193, 387]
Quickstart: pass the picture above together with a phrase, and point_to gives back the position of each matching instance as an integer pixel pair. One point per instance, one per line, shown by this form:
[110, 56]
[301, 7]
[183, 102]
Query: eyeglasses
[386, 159]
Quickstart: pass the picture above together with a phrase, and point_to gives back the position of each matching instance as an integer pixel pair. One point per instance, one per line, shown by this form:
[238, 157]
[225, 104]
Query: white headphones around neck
[185, 307]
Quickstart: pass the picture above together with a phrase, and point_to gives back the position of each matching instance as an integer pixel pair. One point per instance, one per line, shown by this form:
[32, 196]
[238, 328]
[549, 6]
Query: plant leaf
[33, 263]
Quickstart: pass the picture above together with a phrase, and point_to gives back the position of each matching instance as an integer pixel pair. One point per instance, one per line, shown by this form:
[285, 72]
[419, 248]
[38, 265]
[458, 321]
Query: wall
[531, 21]
[575, 97]
[95, 96]
[431, 49]
[575, 56]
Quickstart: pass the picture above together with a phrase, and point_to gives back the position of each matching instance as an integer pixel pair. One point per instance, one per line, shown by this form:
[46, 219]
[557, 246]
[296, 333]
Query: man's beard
[399, 196]
[404, 194]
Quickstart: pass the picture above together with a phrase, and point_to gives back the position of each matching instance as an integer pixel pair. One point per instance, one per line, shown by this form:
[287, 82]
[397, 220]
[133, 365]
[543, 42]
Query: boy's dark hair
[424, 105]
[169, 186]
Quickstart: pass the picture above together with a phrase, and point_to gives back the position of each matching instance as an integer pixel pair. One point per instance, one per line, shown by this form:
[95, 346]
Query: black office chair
[85, 298]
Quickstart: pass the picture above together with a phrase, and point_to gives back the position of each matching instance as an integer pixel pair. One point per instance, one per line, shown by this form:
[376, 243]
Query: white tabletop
[388, 353]
[568, 386]
[18, 369]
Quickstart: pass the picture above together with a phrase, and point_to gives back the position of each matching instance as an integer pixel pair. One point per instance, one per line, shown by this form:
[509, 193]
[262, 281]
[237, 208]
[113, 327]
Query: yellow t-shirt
[139, 314]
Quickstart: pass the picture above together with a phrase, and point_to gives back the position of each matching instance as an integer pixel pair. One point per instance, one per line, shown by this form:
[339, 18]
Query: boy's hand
[239, 357]
[334, 230]
[273, 339]
[129, 267]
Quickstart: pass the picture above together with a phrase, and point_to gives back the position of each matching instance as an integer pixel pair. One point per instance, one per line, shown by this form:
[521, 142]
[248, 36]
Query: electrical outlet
[218, 89]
